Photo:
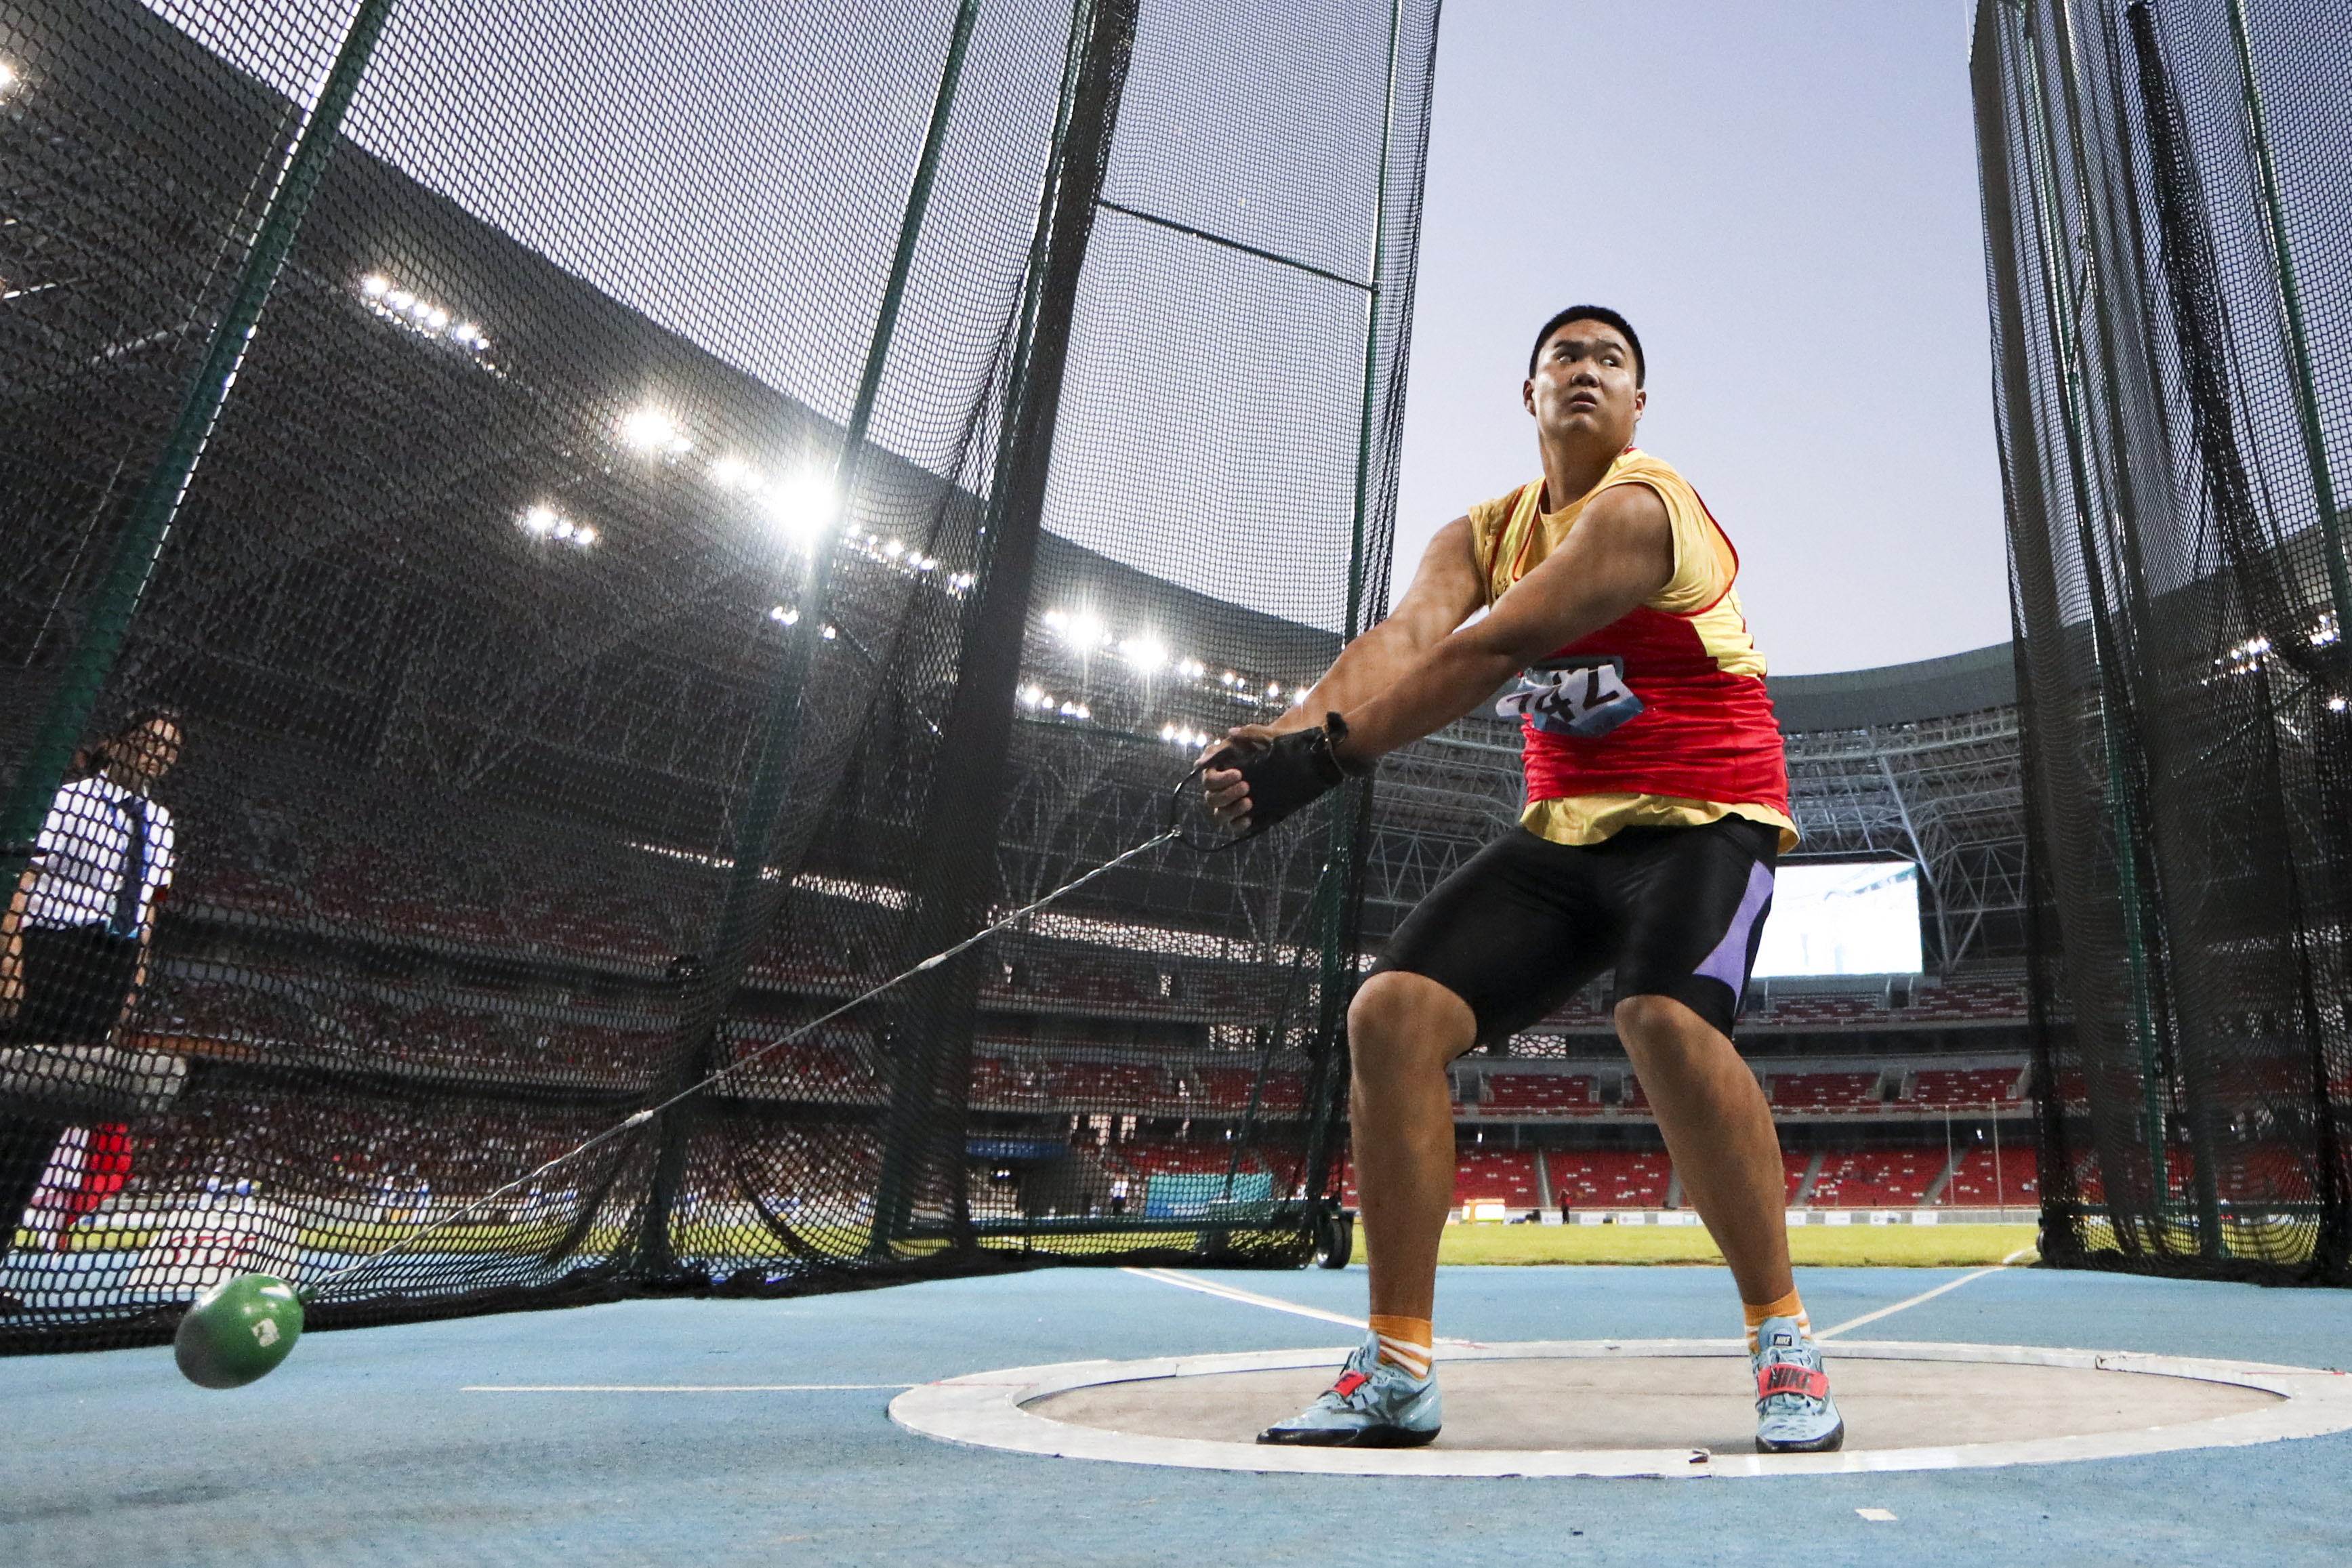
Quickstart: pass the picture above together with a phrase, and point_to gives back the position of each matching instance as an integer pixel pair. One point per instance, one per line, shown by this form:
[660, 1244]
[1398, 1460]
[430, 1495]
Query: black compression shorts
[1525, 923]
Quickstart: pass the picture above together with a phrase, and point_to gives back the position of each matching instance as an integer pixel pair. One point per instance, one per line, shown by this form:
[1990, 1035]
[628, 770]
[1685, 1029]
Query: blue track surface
[364, 1449]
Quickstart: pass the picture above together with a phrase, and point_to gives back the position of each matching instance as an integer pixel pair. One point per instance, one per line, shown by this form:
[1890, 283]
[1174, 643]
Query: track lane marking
[676, 1387]
[1923, 1296]
[1251, 1299]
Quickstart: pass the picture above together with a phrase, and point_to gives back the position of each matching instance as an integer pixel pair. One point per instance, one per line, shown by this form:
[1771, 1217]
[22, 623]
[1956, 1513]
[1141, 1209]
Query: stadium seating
[1538, 1092]
[1825, 1091]
[1889, 1178]
[1609, 1177]
[1980, 1182]
[1958, 1089]
[1507, 1174]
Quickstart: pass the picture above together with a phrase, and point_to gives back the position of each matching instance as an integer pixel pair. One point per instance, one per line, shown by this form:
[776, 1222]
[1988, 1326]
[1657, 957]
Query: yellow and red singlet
[1703, 744]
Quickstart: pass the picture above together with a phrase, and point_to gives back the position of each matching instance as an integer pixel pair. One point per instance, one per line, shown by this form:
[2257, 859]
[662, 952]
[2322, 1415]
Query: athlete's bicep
[1447, 588]
[1620, 553]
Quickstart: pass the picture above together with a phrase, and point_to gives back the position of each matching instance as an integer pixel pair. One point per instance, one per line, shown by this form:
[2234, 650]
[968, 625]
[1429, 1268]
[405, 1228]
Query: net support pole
[2307, 386]
[963, 812]
[738, 917]
[148, 525]
[2117, 732]
[1327, 1075]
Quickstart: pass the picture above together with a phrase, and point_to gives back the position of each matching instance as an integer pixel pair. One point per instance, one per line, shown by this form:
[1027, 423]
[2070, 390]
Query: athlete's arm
[1446, 591]
[1620, 552]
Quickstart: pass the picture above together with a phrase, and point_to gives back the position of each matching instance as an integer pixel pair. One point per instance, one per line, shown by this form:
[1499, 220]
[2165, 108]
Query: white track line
[1251, 1298]
[1922, 1296]
[672, 1387]
[1246, 1298]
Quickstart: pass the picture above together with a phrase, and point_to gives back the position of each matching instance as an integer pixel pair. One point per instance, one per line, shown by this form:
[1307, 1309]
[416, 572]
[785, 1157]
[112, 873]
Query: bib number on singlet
[1586, 699]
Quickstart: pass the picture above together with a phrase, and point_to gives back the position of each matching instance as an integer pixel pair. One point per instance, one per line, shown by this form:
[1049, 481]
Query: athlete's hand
[1226, 791]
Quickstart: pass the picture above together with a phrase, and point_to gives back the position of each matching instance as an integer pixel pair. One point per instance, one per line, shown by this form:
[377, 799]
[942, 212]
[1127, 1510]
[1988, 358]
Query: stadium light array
[2245, 659]
[407, 309]
[1185, 735]
[7, 78]
[2326, 632]
[802, 506]
[735, 474]
[1039, 699]
[652, 430]
[1087, 634]
[787, 615]
[546, 523]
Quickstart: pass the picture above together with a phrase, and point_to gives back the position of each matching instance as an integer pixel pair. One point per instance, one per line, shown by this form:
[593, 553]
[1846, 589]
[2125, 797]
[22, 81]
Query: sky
[1783, 198]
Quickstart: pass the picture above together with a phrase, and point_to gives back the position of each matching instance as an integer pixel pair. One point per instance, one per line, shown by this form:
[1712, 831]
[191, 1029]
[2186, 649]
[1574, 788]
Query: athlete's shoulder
[1634, 465]
[1487, 516]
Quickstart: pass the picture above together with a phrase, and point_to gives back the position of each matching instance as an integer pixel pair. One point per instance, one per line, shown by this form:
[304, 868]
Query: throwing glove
[1291, 771]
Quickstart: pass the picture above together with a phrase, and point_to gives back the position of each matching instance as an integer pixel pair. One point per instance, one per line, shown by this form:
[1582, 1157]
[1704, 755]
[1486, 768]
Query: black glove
[1293, 770]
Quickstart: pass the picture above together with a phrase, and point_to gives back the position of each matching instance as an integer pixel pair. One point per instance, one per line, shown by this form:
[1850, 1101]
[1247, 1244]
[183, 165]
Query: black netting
[2165, 190]
[551, 546]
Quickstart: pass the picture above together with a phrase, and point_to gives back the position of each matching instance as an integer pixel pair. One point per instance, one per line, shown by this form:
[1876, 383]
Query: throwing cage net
[2164, 187]
[549, 547]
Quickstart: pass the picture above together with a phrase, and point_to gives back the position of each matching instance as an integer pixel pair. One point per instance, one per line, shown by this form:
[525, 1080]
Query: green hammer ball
[237, 1331]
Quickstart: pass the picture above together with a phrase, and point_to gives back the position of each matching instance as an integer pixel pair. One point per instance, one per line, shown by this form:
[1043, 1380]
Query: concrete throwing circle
[1643, 1408]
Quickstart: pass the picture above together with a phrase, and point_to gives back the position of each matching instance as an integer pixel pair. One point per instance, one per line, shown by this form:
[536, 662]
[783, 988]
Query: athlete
[1657, 804]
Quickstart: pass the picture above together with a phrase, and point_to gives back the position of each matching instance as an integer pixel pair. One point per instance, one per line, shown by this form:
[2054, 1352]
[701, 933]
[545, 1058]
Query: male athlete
[1657, 804]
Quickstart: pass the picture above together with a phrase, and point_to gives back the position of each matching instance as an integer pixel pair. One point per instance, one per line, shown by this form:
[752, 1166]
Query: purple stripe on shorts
[1729, 962]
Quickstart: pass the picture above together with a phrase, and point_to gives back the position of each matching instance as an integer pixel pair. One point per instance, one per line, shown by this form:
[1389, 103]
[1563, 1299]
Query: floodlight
[375, 285]
[1147, 654]
[785, 616]
[583, 536]
[649, 429]
[399, 299]
[1086, 630]
[7, 76]
[802, 506]
[828, 634]
[562, 528]
[729, 472]
[437, 318]
[894, 549]
[540, 519]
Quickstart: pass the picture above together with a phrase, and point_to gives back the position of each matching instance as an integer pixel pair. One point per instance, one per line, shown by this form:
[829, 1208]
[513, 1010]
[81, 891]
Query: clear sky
[1783, 200]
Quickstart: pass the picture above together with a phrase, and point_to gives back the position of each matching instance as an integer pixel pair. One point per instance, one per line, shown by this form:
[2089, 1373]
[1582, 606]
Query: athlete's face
[1584, 386]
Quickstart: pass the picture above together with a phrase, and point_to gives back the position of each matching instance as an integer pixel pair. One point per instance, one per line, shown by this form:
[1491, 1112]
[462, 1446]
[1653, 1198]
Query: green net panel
[2166, 188]
[550, 546]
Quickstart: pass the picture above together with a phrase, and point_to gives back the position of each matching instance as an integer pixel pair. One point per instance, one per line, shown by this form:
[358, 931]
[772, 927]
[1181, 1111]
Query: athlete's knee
[1406, 1023]
[1659, 1020]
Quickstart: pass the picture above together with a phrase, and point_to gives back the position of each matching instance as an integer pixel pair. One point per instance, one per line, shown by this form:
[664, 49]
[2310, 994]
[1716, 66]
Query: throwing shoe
[1794, 1412]
[1374, 1404]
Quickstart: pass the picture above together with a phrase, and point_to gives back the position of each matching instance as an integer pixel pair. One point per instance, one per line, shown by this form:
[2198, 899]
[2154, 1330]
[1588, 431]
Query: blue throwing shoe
[1373, 1404]
[1794, 1412]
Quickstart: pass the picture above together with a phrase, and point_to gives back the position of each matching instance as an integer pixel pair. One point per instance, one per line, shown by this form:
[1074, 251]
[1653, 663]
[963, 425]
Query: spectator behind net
[75, 936]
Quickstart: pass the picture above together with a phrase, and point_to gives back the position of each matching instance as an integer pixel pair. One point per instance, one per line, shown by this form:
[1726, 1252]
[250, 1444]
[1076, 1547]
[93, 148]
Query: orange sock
[1788, 1306]
[1405, 1342]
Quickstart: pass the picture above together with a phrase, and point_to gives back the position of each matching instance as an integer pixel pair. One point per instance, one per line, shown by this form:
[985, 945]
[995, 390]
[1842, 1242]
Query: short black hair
[1602, 313]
